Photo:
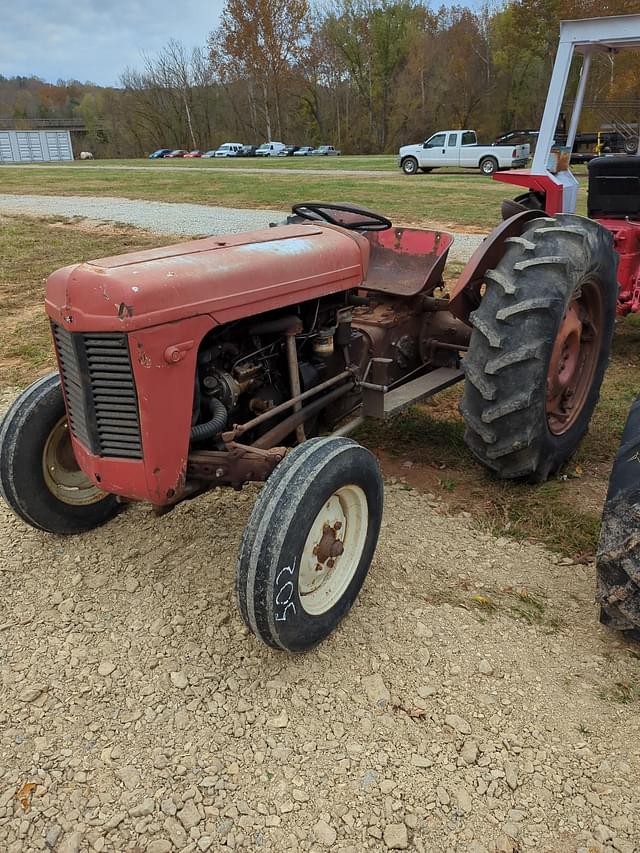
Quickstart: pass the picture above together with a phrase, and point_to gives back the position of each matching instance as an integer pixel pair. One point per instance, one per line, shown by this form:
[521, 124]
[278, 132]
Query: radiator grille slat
[100, 389]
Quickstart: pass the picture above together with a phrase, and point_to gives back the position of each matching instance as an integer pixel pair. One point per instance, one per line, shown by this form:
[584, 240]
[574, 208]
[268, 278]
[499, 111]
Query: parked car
[228, 149]
[325, 151]
[305, 151]
[460, 148]
[178, 152]
[270, 149]
[288, 151]
[247, 151]
[159, 154]
[196, 153]
[210, 153]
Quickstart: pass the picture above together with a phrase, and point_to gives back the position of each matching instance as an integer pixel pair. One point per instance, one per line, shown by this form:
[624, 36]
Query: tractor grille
[101, 394]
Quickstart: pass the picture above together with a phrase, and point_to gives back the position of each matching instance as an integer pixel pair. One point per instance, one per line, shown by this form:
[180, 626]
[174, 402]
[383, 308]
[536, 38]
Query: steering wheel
[354, 218]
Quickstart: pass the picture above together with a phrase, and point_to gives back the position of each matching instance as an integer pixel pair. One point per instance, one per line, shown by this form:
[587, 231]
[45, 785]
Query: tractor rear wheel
[618, 560]
[39, 476]
[540, 346]
[309, 542]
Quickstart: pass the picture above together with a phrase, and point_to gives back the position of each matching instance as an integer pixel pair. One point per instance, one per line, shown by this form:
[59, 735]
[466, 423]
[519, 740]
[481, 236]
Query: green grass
[515, 603]
[622, 692]
[368, 162]
[465, 199]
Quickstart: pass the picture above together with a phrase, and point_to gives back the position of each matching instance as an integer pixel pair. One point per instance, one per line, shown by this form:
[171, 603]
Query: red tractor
[614, 202]
[234, 359]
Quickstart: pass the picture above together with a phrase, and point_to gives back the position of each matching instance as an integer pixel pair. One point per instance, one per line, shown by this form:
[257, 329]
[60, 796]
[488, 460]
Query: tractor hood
[225, 277]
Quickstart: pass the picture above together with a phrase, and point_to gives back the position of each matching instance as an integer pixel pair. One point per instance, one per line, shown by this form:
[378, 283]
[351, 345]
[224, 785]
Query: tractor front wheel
[309, 543]
[540, 346]
[39, 477]
[618, 560]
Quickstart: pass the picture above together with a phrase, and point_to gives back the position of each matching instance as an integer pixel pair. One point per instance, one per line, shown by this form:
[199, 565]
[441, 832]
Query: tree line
[364, 75]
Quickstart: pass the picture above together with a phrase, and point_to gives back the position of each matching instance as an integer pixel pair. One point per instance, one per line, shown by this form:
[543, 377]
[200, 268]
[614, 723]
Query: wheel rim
[487, 168]
[62, 474]
[574, 358]
[409, 167]
[333, 550]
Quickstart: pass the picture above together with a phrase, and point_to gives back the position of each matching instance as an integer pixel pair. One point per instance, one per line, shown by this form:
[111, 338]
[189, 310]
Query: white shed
[35, 146]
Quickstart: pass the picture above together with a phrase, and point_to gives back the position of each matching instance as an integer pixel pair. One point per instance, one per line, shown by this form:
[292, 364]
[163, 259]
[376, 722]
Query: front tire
[310, 539]
[410, 165]
[540, 346]
[39, 477]
[618, 559]
[488, 166]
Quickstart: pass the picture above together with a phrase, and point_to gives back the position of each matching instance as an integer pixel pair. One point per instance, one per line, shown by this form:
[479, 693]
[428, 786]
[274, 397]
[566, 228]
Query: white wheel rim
[62, 475]
[333, 549]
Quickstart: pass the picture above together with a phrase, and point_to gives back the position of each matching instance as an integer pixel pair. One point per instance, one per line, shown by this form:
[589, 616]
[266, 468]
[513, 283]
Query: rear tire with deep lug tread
[618, 559]
[544, 276]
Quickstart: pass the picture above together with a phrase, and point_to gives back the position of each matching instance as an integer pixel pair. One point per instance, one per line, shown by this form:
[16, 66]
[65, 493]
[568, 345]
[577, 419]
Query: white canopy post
[589, 35]
[577, 104]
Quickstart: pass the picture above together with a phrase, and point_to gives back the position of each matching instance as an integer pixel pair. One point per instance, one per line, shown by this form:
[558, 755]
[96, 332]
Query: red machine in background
[613, 200]
[614, 180]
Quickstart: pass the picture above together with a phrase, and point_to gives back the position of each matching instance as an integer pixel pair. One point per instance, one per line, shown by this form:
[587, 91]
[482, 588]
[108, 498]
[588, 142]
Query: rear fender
[466, 295]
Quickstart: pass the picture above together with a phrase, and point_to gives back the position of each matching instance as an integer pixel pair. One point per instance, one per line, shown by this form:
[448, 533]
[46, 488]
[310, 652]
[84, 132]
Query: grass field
[373, 162]
[424, 447]
[462, 199]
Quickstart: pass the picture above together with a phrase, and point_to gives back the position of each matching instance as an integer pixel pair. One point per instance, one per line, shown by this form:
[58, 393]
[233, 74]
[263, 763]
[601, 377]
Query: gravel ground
[161, 217]
[157, 216]
[137, 714]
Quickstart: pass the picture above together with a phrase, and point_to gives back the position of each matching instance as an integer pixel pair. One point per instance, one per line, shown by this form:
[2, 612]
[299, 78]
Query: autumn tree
[261, 42]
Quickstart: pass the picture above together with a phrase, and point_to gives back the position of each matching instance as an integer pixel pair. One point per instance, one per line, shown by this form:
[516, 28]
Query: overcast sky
[95, 39]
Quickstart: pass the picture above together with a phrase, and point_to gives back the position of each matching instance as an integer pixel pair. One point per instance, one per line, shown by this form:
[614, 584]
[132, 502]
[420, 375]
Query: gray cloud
[93, 40]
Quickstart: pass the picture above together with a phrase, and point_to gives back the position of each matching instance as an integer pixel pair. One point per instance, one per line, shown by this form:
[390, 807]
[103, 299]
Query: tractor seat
[614, 187]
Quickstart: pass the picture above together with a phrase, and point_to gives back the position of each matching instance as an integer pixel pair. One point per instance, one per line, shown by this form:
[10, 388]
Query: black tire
[618, 560]
[631, 145]
[409, 165]
[515, 328]
[488, 165]
[24, 435]
[276, 539]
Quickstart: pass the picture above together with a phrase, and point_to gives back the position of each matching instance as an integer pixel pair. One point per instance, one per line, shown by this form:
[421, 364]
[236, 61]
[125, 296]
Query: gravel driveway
[193, 220]
[137, 714]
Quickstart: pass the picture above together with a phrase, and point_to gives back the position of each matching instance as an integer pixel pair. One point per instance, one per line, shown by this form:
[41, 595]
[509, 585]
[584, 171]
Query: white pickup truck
[460, 148]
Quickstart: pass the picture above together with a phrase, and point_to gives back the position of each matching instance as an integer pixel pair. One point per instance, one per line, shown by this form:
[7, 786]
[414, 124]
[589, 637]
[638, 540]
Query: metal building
[35, 146]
